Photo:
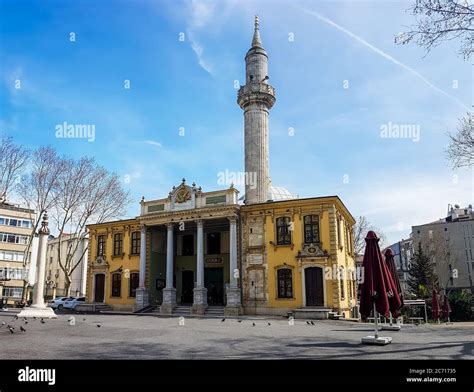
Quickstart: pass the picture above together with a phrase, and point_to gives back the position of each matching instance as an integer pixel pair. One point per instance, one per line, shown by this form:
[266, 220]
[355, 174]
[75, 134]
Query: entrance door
[99, 288]
[214, 282]
[314, 286]
[187, 286]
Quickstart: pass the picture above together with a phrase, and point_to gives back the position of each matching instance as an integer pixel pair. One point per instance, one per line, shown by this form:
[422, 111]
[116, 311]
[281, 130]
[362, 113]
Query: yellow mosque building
[213, 252]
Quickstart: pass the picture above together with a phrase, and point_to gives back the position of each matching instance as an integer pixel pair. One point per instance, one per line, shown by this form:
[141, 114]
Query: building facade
[450, 244]
[114, 263]
[75, 251]
[16, 231]
[196, 250]
[298, 254]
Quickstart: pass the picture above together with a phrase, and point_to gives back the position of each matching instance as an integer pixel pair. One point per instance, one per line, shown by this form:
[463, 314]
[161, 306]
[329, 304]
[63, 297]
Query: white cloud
[153, 143]
[201, 13]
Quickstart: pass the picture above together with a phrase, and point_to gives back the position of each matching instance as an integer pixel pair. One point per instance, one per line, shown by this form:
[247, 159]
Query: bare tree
[361, 228]
[441, 20]
[86, 193]
[39, 192]
[460, 150]
[13, 160]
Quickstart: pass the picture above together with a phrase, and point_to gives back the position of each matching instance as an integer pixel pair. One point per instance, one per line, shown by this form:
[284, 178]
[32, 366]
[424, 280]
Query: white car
[58, 302]
[71, 303]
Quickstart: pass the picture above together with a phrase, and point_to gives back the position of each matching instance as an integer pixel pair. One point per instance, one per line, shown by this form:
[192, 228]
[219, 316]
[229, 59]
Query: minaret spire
[256, 99]
[256, 41]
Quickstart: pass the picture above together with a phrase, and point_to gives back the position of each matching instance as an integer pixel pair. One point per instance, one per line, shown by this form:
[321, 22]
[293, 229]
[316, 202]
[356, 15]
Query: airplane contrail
[383, 54]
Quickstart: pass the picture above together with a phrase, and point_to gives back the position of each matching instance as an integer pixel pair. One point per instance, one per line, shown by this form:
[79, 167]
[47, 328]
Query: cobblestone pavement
[146, 337]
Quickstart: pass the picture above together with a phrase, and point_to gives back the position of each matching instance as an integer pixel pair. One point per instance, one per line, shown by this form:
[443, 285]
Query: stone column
[169, 292]
[200, 291]
[141, 295]
[234, 303]
[38, 308]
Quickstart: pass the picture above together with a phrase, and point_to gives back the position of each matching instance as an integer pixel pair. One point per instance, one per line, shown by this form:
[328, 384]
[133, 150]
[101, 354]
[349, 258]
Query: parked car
[71, 303]
[58, 302]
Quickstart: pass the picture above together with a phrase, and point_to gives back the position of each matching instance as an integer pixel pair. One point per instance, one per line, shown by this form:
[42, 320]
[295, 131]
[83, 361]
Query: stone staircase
[92, 307]
[215, 311]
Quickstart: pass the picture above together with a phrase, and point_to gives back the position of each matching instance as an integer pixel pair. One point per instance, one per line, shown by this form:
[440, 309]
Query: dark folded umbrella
[393, 271]
[446, 307]
[378, 286]
[435, 310]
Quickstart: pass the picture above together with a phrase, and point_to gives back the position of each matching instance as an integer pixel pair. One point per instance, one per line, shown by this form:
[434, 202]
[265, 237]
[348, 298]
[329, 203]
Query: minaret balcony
[256, 92]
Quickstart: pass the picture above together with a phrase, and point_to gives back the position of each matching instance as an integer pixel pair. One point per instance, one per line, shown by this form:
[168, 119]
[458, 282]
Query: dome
[276, 193]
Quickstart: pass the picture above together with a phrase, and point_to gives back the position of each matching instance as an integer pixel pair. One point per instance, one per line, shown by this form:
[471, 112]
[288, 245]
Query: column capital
[170, 225]
[232, 219]
[199, 222]
[142, 227]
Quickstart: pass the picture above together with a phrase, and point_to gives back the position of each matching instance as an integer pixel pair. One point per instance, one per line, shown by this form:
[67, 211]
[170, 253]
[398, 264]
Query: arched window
[118, 241]
[285, 283]
[133, 285]
[101, 245]
[135, 248]
[311, 229]
[283, 231]
[116, 284]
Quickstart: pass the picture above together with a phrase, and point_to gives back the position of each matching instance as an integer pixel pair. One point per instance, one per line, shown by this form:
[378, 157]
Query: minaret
[256, 99]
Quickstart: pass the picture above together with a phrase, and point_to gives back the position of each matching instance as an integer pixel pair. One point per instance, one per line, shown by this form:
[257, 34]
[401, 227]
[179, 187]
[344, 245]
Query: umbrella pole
[376, 323]
[391, 323]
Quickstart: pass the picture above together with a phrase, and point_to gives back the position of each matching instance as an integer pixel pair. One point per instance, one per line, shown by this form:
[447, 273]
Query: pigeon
[253, 324]
[222, 320]
[3, 323]
[43, 322]
[239, 321]
[16, 317]
[11, 329]
[35, 318]
[312, 322]
[22, 329]
[307, 322]
[98, 325]
[83, 319]
[269, 324]
[26, 322]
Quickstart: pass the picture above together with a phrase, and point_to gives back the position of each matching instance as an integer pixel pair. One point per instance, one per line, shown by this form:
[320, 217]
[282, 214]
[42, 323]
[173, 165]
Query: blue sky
[337, 146]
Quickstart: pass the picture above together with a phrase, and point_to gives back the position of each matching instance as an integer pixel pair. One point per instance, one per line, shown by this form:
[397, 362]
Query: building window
[341, 283]
[135, 243]
[12, 292]
[311, 229]
[116, 284]
[188, 245]
[283, 231]
[134, 280]
[214, 243]
[13, 238]
[118, 241]
[339, 233]
[101, 245]
[285, 283]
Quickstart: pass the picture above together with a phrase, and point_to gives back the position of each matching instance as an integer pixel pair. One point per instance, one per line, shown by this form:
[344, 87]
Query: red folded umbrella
[393, 271]
[435, 310]
[378, 286]
[446, 307]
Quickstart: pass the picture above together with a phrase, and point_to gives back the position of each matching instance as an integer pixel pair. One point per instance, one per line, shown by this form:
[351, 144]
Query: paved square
[147, 337]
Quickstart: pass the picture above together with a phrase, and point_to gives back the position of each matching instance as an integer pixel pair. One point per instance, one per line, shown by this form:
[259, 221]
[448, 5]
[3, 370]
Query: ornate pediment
[99, 262]
[312, 250]
[183, 197]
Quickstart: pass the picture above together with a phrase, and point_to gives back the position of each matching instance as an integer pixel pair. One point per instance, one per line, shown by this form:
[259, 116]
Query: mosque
[203, 252]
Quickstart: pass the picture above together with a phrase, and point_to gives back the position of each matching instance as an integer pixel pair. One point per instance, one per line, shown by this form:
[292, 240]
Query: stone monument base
[38, 312]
